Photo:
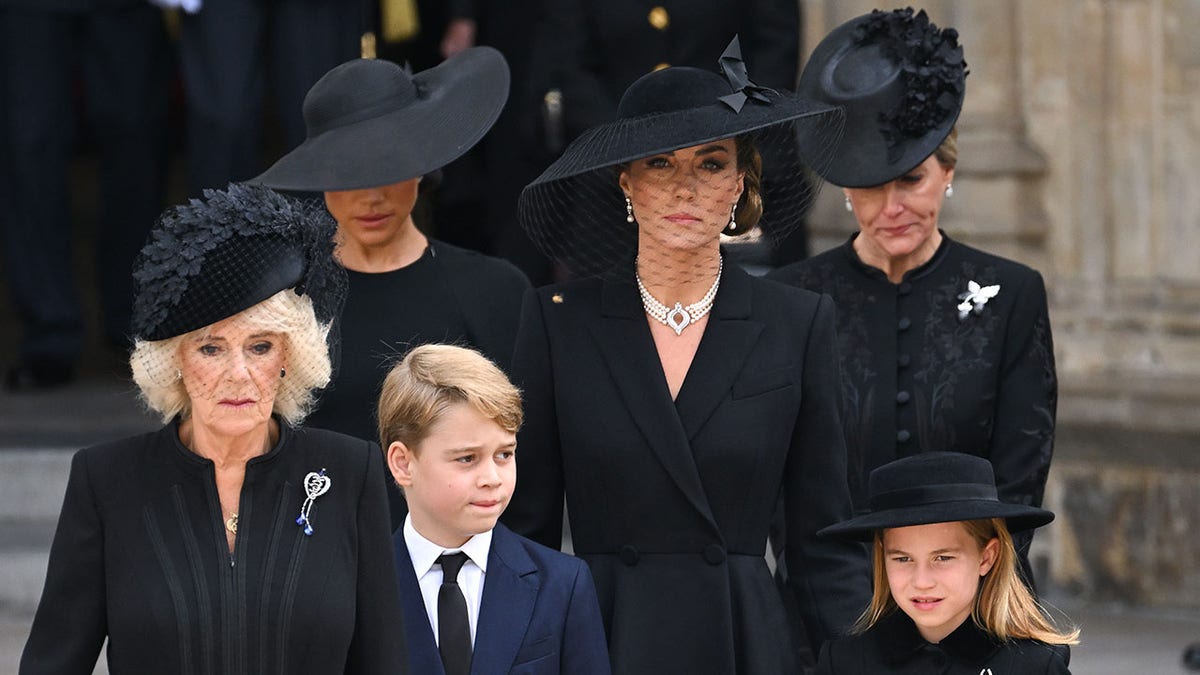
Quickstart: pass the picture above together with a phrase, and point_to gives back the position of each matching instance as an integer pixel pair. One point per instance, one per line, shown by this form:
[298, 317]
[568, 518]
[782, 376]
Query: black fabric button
[904, 360]
[905, 288]
[629, 555]
[904, 324]
[902, 397]
[903, 436]
[714, 554]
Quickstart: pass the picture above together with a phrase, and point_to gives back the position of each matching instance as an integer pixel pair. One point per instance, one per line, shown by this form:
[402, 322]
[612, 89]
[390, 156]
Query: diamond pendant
[678, 324]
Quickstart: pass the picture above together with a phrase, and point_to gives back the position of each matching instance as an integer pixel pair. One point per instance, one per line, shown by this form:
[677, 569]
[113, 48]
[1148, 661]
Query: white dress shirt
[424, 555]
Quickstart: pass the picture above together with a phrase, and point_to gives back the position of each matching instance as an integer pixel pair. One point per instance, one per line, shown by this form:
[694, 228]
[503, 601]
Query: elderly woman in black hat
[947, 595]
[374, 131]
[231, 540]
[673, 397]
[943, 346]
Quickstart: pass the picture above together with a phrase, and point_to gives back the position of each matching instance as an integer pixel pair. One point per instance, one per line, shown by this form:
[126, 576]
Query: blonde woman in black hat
[231, 540]
[947, 594]
[943, 346]
[672, 397]
[374, 131]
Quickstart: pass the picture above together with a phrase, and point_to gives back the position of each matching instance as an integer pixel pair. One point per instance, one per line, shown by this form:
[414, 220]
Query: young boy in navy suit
[448, 420]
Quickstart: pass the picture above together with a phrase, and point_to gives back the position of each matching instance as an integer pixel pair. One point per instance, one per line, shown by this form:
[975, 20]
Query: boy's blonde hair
[1004, 608]
[430, 379]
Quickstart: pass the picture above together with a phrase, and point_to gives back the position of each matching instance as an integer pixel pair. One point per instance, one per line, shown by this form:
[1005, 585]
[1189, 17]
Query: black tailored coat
[894, 646]
[140, 557]
[670, 502]
[592, 50]
[916, 378]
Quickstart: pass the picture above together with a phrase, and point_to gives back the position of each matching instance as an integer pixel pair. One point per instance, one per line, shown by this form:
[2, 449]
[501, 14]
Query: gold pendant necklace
[231, 523]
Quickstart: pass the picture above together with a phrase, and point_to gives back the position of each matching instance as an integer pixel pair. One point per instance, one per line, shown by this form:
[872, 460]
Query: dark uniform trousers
[117, 48]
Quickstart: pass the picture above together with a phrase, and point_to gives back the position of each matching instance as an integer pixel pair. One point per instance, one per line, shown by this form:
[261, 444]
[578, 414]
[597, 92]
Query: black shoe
[38, 374]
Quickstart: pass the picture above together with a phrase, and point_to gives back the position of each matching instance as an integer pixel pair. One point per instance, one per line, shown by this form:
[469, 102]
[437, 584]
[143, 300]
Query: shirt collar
[424, 553]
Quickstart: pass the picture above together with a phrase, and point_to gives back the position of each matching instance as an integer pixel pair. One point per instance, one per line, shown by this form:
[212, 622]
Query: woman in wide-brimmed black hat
[232, 540]
[673, 397]
[943, 346]
[947, 594]
[375, 131]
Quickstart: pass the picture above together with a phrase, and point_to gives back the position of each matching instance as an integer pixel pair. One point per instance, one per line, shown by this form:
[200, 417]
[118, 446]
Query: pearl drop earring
[628, 210]
[949, 190]
[849, 206]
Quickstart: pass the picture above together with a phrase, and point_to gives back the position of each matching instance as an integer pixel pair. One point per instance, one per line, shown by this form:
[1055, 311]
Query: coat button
[903, 436]
[659, 18]
[904, 324]
[902, 397]
[904, 360]
[905, 288]
[714, 554]
[629, 555]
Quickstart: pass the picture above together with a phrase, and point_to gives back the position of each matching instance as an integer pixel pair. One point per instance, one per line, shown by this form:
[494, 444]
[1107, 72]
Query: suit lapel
[728, 340]
[624, 340]
[423, 656]
[510, 590]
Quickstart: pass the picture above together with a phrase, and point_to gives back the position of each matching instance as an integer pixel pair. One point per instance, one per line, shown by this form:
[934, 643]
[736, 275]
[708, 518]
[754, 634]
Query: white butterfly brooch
[975, 298]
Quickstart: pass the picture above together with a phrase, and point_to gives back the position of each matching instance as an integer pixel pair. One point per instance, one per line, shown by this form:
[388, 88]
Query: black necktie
[454, 628]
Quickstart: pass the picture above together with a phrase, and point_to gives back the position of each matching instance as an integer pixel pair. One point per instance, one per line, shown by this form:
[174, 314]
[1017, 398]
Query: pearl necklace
[679, 317]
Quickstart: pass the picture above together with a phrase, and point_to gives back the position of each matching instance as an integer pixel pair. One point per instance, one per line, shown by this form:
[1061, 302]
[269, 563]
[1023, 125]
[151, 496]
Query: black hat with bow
[934, 487]
[575, 210]
[901, 80]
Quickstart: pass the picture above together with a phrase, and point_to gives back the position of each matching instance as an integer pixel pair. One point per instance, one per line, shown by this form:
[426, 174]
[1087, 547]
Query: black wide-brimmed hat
[934, 487]
[575, 211]
[211, 258]
[371, 123]
[901, 80]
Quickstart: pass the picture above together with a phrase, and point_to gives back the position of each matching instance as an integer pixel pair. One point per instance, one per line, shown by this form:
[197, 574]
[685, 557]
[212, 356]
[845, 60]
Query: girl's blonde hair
[1004, 607]
[156, 366]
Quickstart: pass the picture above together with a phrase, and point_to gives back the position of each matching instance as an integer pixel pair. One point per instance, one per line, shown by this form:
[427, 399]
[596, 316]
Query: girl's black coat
[894, 646]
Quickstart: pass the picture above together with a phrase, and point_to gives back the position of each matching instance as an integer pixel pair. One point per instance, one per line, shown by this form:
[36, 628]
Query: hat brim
[865, 158]
[863, 528]
[625, 140]
[459, 101]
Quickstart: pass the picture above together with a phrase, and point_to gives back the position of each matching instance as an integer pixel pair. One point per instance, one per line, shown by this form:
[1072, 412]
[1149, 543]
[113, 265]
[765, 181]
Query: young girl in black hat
[944, 557]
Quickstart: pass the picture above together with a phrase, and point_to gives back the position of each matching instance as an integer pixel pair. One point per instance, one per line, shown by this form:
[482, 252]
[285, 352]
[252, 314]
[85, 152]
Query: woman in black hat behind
[231, 540]
[943, 346]
[374, 131]
[674, 398]
[947, 595]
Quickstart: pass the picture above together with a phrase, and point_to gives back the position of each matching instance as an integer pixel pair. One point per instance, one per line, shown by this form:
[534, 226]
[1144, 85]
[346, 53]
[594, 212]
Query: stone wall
[1080, 156]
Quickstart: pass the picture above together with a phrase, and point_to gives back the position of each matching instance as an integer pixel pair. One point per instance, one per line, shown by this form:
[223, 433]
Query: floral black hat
[371, 122]
[934, 487]
[575, 211]
[901, 80]
[214, 257]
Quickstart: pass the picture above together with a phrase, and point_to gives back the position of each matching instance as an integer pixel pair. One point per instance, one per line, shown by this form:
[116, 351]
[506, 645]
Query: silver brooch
[315, 485]
[975, 298]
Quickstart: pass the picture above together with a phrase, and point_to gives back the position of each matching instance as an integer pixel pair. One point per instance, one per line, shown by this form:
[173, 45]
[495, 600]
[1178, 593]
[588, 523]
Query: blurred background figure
[116, 50]
[235, 53]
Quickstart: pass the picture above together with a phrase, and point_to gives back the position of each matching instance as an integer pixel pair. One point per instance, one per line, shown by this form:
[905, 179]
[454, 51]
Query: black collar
[912, 275]
[900, 641]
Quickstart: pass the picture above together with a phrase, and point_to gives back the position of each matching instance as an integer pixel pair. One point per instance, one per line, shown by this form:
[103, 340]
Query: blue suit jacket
[538, 614]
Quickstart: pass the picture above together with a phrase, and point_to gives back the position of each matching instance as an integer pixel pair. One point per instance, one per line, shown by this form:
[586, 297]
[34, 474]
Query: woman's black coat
[917, 378]
[670, 502]
[894, 646]
[140, 557]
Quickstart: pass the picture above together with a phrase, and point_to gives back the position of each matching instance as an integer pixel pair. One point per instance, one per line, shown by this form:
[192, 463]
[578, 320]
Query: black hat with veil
[578, 215]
